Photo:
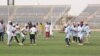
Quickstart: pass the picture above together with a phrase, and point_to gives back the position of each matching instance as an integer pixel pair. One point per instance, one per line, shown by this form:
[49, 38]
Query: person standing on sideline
[51, 29]
[47, 30]
[41, 28]
[2, 31]
[33, 32]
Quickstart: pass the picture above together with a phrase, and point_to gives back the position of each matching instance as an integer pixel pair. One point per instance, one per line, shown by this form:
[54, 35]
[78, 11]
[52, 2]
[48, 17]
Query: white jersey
[74, 31]
[9, 30]
[14, 31]
[81, 32]
[47, 28]
[33, 30]
[51, 30]
[17, 29]
[87, 29]
[68, 31]
[24, 32]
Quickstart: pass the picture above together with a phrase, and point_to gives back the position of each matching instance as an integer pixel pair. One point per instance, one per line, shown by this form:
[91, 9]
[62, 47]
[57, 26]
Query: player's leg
[16, 39]
[0, 37]
[46, 34]
[80, 40]
[87, 38]
[18, 35]
[67, 41]
[34, 38]
[30, 38]
[9, 40]
[23, 39]
[75, 38]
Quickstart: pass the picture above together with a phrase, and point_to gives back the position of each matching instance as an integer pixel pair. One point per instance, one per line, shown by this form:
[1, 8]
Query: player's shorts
[47, 34]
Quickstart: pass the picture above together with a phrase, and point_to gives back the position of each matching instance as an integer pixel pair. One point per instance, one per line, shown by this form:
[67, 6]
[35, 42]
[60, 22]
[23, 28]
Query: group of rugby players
[14, 30]
[79, 31]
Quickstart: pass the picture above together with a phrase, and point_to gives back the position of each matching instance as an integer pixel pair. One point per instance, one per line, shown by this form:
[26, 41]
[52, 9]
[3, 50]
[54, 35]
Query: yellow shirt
[41, 27]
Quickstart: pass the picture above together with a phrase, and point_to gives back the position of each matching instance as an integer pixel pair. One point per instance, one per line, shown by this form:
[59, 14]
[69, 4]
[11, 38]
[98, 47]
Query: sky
[77, 6]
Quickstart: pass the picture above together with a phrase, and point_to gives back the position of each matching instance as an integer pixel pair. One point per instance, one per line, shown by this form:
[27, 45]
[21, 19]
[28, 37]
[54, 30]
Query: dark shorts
[47, 34]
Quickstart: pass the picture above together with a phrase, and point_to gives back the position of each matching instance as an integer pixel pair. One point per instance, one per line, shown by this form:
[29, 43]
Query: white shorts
[68, 35]
[81, 36]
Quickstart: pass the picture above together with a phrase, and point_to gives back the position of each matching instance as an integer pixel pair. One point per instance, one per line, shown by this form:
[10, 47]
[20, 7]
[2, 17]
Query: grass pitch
[53, 47]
